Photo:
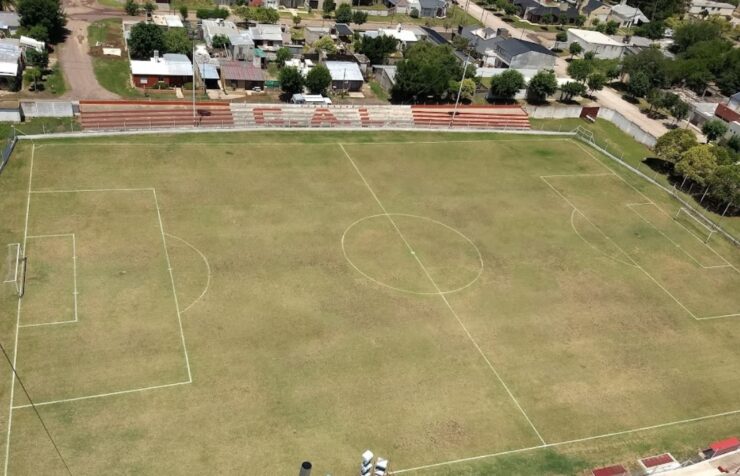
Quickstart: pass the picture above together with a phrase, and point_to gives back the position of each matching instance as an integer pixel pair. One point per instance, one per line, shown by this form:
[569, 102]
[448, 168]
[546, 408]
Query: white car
[381, 466]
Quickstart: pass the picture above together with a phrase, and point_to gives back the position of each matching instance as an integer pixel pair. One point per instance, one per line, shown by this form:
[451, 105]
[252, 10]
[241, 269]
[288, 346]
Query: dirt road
[77, 65]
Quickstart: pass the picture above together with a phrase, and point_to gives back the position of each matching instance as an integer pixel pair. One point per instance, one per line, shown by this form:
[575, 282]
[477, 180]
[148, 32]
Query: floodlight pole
[459, 90]
[193, 84]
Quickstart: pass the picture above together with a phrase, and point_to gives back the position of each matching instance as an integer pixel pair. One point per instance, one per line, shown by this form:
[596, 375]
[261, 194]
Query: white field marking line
[570, 442]
[208, 266]
[588, 152]
[74, 277]
[603, 174]
[408, 291]
[94, 190]
[575, 229]
[622, 250]
[442, 295]
[717, 317]
[101, 395]
[174, 291]
[18, 322]
[698, 263]
[275, 144]
[17, 259]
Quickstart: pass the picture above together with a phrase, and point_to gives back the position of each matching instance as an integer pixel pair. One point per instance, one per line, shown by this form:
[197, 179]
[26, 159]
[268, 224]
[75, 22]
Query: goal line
[707, 230]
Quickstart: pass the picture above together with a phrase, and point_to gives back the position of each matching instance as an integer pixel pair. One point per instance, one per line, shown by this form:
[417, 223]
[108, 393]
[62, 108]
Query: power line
[46, 429]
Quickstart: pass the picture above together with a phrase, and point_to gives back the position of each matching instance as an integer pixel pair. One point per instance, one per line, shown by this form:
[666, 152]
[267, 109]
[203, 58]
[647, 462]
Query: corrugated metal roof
[241, 71]
[208, 71]
[163, 66]
[344, 71]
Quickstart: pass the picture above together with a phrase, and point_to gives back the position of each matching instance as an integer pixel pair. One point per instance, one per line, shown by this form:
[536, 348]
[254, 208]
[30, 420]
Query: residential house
[710, 8]
[536, 12]
[404, 36]
[11, 65]
[520, 54]
[240, 75]
[432, 8]
[385, 75]
[169, 21]
[269, 38]
[241, 45]
[626, 16]
[312, 34]
[9, 23]
[343, 32]
[169, 69]
[595, 11]
[483, 41]
[602, 45]
[345, 75]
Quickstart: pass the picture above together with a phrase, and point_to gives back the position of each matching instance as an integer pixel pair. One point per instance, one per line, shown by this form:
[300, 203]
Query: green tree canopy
[639, 84]
[571, 89]
[318, 79]
[282, 55]
[507, 84]
[580, 69]
[377, 49]
[596, 81]
[692, 32]
[672, 145]
[343, 14]
[131, 8]
[291, 80]
[220, 41]
[542, 85]
[575, 48]
[359, 17]
[38, 59]
[698, 164]
[328, 7]
[176, 41]
[652, 63]
[714, 129]
[325, 43]
[145, 38]
[725, 184]
[46, 13]
[425, 73]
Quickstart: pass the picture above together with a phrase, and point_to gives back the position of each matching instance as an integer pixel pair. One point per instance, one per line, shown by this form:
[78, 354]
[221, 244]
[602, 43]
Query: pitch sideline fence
[586, 136]
[8, 150]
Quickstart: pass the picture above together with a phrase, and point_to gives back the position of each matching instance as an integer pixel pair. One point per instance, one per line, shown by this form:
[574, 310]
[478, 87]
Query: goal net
[12, 269]
[695, 224]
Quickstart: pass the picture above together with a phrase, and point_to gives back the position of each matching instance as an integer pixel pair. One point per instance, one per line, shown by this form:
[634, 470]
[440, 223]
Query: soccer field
[236, 304]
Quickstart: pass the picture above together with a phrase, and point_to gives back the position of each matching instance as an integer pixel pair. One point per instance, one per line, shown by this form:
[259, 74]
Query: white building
[170, 21]
[404, 36]
[711, 8]
[345, 75]
[603, 46]
[626, 15]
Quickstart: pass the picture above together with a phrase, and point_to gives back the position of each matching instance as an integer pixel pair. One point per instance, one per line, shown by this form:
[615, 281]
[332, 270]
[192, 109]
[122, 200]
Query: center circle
[412, 254]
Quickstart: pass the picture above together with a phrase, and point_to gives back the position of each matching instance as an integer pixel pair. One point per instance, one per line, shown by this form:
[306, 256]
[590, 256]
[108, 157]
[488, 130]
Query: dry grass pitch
[236, 304]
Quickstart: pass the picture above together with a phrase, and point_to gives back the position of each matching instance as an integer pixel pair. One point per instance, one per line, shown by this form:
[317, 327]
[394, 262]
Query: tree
[318, 79]
[697, 164]
[690, 33]
[611, 27]
[39, 32]
[291, 80]
[680, 110]
[144, 39]
[575, 48]
[507, 84]
[725, 184]
[714, 129]
[149, 8]
[37, 59]
[655, 99]
[205, 13]
[672, 145]
[282, 55]
[220, 41]
[653, 30]
[131, 8]
[571, 89]
[425, 73]
[33, 76]
[359, 17]
[176, 41]
[377, 49]
[561, 37]
[297, 20]
[46, 13]
[343, 13]
[328, 7]
[596, 81]
[414, 13]
[183, 11]
[466, 92]
[651, 62]
[325, 44]
[580, 69]
[659, 10]
[639, 84]
[542, 85]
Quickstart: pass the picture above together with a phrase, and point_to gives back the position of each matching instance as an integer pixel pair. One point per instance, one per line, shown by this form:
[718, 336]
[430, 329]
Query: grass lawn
[113, 73]
[378, 90]
[308, 295]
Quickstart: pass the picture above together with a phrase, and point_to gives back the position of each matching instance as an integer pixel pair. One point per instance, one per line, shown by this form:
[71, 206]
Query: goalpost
[15, 268]
[704, 230]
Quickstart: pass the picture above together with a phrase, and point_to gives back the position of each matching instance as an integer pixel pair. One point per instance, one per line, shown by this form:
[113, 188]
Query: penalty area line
[101, 395]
